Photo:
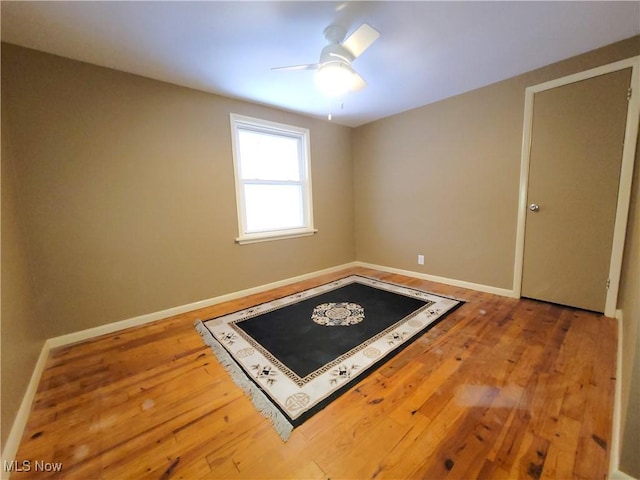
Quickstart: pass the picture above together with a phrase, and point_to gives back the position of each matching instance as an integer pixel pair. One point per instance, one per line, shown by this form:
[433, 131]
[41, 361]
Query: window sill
[268, 237]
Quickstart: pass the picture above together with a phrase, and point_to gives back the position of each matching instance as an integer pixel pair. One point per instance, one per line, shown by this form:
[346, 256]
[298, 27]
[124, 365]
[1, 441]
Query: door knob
[534, 207]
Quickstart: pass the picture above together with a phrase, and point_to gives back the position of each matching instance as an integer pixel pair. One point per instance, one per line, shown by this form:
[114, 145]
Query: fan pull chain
[329, 115]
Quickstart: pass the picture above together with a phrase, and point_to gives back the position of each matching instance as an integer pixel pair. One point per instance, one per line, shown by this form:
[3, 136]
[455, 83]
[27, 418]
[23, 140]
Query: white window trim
[241, 121]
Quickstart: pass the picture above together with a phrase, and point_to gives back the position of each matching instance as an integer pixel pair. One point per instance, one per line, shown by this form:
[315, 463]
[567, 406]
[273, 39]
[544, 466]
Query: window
[273, 179]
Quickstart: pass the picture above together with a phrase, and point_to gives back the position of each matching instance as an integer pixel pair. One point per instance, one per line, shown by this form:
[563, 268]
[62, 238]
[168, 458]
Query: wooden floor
[501, 388]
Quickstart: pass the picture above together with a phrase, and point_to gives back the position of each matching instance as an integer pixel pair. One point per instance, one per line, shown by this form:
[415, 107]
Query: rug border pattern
[299, 397]
[301, 381]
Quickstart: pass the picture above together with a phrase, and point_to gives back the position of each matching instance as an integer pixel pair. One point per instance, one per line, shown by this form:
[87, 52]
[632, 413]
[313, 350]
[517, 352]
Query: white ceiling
[427, 50]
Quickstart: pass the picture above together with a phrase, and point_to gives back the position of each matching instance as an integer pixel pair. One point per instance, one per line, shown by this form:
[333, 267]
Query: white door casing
[626, 172]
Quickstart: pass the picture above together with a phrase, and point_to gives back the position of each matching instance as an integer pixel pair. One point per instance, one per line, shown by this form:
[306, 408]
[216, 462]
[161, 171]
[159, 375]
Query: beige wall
[22, 333]
[125, 192]
[443, 180]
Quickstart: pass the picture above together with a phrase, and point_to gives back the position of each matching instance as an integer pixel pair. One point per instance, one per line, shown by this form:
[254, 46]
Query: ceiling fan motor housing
[335, 52]
[335, 33]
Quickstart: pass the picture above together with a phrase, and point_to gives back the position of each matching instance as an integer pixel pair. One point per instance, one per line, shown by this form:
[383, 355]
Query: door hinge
[629, 93]
[608, 283]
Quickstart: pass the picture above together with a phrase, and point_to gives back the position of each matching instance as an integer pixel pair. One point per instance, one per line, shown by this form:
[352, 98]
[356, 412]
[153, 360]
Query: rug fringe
[257, 396]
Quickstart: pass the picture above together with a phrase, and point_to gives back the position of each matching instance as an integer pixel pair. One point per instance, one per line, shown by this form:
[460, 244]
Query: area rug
[296, 354]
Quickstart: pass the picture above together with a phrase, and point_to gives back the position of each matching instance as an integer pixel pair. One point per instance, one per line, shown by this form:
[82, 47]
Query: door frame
[626, 172]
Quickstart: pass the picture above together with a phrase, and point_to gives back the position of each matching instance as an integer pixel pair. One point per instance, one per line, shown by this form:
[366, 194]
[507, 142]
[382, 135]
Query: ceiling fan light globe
[334, 79]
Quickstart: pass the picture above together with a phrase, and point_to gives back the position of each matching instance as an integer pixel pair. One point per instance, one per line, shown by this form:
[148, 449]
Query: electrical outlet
[420, 259]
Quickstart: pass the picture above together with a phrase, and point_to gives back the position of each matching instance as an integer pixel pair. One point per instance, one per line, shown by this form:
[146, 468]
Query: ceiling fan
[335, 75]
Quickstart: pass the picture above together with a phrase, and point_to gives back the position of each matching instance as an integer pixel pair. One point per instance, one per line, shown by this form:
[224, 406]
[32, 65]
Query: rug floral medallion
[296, 354]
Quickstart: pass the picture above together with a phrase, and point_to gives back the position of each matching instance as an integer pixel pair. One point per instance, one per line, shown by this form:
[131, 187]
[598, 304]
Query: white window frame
[241, 122]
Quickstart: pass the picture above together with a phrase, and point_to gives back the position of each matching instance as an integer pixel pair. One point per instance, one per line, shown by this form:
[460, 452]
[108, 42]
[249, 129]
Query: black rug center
[304, 346]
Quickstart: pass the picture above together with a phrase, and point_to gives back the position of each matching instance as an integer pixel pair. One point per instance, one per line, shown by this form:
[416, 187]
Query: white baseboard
[447, 281]
[618, 475]
[614, 454]
[170, 312]
[616, 428]
[20, 422]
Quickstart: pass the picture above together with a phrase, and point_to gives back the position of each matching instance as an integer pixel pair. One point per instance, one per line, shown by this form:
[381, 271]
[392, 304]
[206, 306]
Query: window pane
[268, 157]
[272, 207]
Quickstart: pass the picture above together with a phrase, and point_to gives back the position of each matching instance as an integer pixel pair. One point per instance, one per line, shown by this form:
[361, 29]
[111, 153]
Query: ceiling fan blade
[358, 83]
[361, 39]
[309, 66]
